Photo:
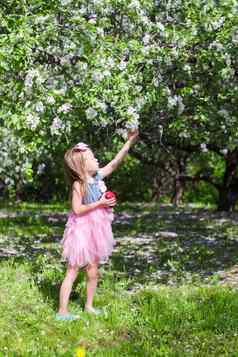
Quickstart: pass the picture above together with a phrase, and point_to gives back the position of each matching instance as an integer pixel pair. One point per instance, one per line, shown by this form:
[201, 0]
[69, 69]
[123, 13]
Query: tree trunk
[179, 182]
[228, 192]
[228, 197]
[156, 189]
[178, 191]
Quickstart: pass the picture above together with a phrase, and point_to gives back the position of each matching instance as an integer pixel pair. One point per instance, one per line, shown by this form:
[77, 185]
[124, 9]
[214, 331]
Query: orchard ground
[170, 288]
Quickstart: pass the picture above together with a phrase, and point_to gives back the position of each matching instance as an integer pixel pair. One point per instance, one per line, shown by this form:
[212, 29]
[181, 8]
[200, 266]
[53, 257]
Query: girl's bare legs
[92, 279]
[65, 289]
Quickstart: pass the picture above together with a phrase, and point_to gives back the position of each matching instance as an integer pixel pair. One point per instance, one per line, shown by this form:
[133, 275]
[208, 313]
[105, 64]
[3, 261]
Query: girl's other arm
[112, 165]
[79, 208]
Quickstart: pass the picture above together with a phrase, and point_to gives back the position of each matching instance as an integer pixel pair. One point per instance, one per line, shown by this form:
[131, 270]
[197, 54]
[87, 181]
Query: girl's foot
[68, 317]
[92, 310]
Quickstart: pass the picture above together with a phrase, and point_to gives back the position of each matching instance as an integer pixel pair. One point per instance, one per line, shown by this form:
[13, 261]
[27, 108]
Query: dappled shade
[154, 244]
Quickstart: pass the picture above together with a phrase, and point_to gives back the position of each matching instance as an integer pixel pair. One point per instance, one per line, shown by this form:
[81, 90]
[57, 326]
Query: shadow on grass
[158, 244]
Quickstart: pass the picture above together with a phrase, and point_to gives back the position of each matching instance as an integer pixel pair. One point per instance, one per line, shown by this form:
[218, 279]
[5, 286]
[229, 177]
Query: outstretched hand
[132, 135]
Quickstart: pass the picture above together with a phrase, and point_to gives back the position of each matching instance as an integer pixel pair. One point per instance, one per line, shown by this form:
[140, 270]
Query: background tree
[71, 70]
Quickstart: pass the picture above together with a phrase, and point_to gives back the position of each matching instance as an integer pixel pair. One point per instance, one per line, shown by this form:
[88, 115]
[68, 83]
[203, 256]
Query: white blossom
[9, 181]
[224, 113]
[91, 113]
[217, 45]
[65, 108]
[122, 65]
[107, 73]
[97, 76]
[146, 39]
[110, 62]
[56, 126]
[68, 127]
[174, 52]
[103, 123]
[50, 100]
[227, 73]
[140, 102]
[61, 91]
[101, 60]
[155, 82]
[27, 104]
[93, 19]
[187, 67]
[83, 10]
[132, 78]
[134, 4]
[160, 26]
[41, 19]
[172, 101]
[181, 106]
[40, 168]
[122, 132]
[235, 38]
[132, 124]
[126, 51]
[102, 106]
[65, 2]
[145, 20]
[204, 147]
[131, 111]
[224, 151]
[168, 61]
[145, 50]
[196, 87]
[208, 26]
[184, 134]
[40, 107]
[65, 60]
[100, 31]
[22, 149]
[84, 66]
[32, 121]
[228, 59]
[217, 24]
[39, 80]
[31, 74]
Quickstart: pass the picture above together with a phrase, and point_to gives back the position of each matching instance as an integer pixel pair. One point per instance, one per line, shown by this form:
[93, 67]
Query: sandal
[68, 317]
[92, 310]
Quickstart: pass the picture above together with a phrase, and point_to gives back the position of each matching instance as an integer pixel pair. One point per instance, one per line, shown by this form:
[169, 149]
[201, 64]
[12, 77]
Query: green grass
[180, 321]
[163, 294]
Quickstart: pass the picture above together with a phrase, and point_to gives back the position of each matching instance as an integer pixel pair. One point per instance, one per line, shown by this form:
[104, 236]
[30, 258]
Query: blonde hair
[74, 169]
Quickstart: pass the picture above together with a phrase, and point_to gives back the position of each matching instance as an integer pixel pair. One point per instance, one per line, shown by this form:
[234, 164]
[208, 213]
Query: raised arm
[112, 165]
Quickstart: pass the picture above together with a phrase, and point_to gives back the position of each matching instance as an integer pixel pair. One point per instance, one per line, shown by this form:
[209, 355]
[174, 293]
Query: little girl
[87, 240]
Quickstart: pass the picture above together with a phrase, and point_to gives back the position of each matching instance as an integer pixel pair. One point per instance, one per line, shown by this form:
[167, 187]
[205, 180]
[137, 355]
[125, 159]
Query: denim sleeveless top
[93, 193]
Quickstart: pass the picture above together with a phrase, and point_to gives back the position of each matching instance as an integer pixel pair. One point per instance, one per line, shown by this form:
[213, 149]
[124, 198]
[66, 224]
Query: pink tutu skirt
[88, 238]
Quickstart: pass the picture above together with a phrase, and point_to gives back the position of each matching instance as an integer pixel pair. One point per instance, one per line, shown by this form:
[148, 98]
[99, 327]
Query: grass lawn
[170, 288]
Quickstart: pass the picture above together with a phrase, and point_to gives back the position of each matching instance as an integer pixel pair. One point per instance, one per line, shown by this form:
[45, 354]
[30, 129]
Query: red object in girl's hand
[109, 195]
